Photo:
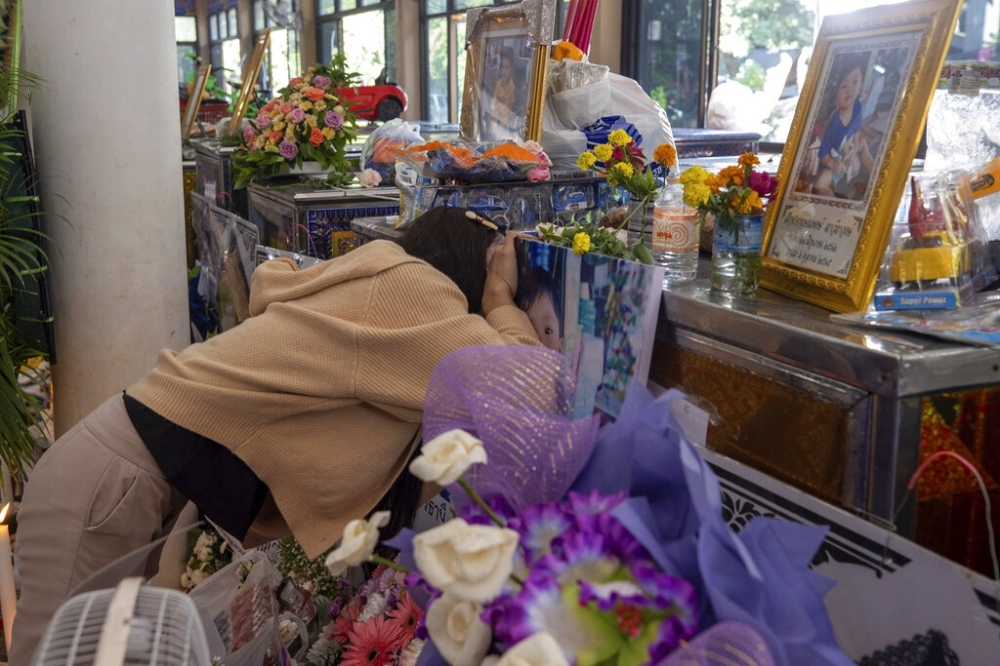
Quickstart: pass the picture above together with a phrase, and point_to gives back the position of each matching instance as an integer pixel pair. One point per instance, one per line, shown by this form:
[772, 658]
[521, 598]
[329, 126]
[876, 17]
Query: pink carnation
[763, 183]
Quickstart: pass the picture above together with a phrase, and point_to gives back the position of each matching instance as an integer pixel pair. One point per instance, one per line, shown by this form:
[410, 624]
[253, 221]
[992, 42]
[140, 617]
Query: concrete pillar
[106, 128]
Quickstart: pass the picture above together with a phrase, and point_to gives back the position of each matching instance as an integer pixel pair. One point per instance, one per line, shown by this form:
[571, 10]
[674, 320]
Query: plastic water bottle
[675, 234]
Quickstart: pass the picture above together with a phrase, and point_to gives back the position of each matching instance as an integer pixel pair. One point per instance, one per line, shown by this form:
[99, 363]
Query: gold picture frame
[507, 56]
[194, 101]
[850, 148]
[249, 81]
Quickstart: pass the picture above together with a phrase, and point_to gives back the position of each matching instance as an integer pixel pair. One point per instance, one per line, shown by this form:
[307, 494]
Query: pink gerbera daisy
[372, 643]
[406, 614]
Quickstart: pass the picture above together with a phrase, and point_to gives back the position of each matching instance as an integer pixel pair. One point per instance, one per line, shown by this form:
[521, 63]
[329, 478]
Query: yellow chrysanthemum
[278, 126]
[665, 155]
[603, 152]
[620, 138]
[329, 132]
[748, 159]
[694, 175]
[311, 121]
[306, 105]
[581, 243]
[623, 169]
[320, 106]
[696, 194]
[586, 160]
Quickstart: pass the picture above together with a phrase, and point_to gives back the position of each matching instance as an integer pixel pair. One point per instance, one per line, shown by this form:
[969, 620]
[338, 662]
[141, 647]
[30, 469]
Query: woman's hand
[501, 276]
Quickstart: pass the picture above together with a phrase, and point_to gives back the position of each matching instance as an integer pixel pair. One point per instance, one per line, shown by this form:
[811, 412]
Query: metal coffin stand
[299, 218]
[840, 412]
[214, 173]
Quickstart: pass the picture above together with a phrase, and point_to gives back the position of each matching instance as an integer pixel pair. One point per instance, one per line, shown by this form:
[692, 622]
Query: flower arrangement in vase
[736, 197]
[306, 122]
[623, 164]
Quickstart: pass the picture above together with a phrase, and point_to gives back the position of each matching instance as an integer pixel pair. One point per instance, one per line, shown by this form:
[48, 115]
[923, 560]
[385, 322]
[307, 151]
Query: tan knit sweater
[320, 390]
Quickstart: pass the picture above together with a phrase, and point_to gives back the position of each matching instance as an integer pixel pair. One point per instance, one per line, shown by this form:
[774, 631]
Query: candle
[8, 598]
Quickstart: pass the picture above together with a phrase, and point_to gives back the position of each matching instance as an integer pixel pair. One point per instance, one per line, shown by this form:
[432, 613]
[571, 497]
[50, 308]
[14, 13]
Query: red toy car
[379, 102]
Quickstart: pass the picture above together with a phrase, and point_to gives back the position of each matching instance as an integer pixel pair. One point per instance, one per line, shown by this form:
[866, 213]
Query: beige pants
[95, 495]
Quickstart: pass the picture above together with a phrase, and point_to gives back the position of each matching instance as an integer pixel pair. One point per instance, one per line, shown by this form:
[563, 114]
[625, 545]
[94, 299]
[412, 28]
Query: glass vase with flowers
[735, 197]
[624, 166]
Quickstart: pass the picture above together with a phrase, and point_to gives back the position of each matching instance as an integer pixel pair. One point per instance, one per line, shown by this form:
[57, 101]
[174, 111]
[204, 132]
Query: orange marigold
[748, 159]
[665, 154]
[731, 175]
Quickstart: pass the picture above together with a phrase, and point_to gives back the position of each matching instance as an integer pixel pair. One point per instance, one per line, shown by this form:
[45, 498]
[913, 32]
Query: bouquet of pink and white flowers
[373, 624]
[307, 121]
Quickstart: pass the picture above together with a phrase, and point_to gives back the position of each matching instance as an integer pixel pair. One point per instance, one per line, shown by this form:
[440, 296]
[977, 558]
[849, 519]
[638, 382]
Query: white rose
[186, 581]
[539, 649]
[369, 178]
[358, 543]
[459, 634]
[198, 576]
[472, 562]
[446, 457]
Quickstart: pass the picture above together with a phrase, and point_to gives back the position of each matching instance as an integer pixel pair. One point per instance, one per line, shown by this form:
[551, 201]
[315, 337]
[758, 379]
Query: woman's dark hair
[455, 245]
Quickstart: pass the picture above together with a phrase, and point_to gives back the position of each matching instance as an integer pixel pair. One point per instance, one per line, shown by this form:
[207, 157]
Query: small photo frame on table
[249, 81]
[194, 101]
[850, 148]
[507, 55]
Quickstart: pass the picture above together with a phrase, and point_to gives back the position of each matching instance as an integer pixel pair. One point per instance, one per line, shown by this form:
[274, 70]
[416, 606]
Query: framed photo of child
[507, 55]
[852, 141]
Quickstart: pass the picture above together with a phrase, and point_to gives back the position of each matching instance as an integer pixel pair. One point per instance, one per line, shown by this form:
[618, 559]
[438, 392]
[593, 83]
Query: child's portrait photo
[846, 137]
[504, 90]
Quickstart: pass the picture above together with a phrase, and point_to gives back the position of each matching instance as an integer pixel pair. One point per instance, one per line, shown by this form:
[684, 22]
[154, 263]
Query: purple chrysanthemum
[473, 514]
[263, 120]
[321, 82]
[288, 150]
[595, 503]
[297, 115]
[333, 120]
[538, 526]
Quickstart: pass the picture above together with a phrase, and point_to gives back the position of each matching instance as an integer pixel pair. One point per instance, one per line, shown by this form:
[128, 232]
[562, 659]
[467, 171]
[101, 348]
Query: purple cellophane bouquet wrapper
[753, 585]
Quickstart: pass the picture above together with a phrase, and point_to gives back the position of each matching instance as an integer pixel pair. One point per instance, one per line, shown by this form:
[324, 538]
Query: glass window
[186, 28]
[234, 29]
[259, 18]
[326, 7]
[283, 60]
[469, 4]
[231, 64]
[187, 63]
[435, 6]
[437, 110]
[347, 5]
[367, 36]
[364, 40]
[213, 28]
[763, 50]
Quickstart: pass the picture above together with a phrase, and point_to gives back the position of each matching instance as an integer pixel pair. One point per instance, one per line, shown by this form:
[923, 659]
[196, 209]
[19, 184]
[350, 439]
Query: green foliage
[770, 24]
[292, 561]
[21, 259]
[602, 240]
[752, 75]
[659, 95]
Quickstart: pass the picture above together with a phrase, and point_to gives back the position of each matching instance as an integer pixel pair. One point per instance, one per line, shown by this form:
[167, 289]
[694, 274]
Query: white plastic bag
[240, 607]
[567, 111]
